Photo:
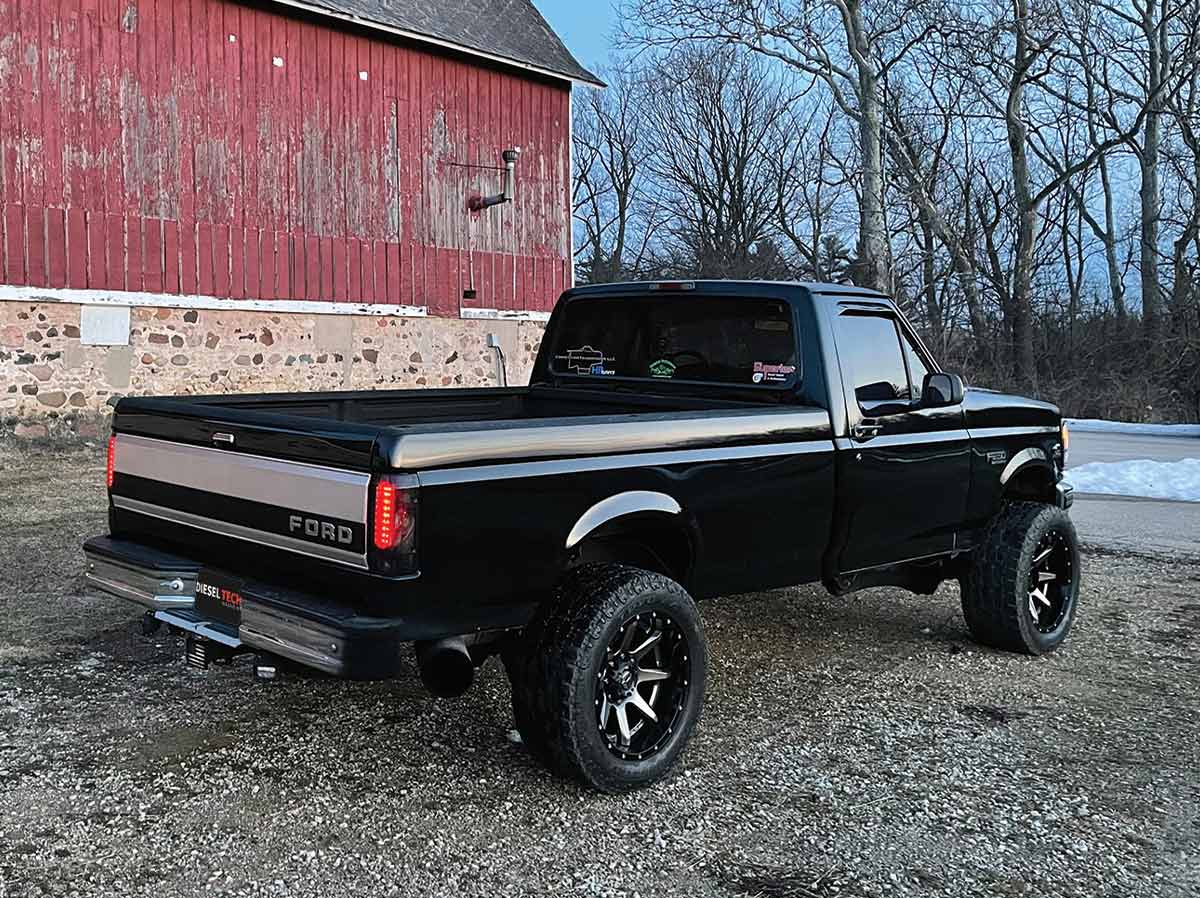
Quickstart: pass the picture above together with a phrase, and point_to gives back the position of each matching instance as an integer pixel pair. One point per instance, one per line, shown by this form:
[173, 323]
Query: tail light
[394, 526]
[112, 461]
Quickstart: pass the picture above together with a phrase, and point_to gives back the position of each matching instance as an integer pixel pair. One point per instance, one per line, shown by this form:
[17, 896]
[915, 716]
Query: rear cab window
[686, 338]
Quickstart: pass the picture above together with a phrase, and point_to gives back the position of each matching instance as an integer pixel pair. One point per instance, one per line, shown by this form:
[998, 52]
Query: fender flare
[618, 506]
[1026, 458]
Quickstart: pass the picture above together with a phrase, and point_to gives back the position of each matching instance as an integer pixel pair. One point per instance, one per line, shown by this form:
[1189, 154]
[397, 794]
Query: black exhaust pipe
[446, 666]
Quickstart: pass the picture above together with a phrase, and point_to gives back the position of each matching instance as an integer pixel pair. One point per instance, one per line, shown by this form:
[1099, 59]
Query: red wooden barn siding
[154, 145]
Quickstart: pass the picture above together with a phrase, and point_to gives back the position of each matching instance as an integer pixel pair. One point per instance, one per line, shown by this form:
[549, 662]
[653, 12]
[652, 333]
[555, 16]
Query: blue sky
[584, 25]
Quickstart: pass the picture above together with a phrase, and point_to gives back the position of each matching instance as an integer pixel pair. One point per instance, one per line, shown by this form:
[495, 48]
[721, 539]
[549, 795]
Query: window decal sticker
[662, 368]
[771, 373]
[586, 360]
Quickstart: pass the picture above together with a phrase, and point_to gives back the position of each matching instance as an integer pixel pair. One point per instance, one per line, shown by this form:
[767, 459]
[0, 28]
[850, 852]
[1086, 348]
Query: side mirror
[940, 390]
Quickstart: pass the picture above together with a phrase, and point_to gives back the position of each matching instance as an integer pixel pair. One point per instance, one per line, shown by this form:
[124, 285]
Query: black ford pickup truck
[677, 441]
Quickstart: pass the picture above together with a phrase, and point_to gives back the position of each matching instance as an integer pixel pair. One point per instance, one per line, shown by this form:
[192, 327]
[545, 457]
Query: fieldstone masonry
[51, 384]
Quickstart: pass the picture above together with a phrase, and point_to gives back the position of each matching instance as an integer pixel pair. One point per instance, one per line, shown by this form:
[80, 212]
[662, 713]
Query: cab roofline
[752, 288]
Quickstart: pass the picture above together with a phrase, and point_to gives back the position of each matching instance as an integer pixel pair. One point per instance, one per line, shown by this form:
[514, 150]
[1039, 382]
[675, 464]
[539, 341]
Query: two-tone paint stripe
[550, 467]
[291, 487]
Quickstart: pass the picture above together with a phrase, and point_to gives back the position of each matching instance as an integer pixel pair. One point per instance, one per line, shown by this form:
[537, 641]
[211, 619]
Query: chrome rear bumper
[156, 582]
[291, 636]
[293, 624]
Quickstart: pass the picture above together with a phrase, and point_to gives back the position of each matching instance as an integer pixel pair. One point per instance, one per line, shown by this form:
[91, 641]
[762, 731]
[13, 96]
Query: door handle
[866, 429]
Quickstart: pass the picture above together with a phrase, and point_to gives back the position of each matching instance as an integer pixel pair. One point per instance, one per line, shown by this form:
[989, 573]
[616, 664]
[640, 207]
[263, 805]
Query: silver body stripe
[579, 437]
[941, 436]
[613, 462]
[904, 439]
[294, 486]
[237, 531]
[983, 433]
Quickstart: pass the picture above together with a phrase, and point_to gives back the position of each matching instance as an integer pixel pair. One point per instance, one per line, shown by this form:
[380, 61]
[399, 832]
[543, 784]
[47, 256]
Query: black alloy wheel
[642, 689]
[1051, 581]
[1020, 591]
[608, 678]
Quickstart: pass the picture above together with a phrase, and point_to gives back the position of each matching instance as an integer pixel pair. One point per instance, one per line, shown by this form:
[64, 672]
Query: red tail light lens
[388, 518]
[112, 461]
[394, 527]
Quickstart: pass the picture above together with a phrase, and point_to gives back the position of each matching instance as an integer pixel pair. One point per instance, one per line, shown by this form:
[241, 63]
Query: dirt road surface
[855, 746]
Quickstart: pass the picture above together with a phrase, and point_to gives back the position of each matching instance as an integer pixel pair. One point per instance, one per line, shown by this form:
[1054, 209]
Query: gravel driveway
[857, 746]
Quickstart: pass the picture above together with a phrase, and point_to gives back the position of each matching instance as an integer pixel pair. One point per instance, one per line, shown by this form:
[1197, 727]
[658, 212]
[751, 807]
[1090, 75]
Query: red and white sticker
[771, 373]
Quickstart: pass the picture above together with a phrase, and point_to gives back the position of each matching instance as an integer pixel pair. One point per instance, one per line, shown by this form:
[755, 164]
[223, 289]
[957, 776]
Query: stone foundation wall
[53, 385]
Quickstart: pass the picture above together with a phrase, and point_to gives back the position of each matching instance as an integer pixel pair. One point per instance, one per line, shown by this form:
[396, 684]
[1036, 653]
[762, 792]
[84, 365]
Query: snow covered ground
[1091, 425]
[1178, 480]
[1121, 459]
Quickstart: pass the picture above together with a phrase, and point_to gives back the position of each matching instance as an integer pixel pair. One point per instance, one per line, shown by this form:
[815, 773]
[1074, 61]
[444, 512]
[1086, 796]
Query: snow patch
[1177, 480]
[1093, 425]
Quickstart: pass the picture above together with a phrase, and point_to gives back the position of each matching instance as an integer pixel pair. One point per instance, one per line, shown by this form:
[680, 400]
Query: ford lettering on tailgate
[324, 531]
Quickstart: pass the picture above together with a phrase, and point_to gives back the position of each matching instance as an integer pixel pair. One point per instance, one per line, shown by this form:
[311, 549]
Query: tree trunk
[872, 268]
[1116, 283]
[933, 308]
[1020, 312]
[1155, 32]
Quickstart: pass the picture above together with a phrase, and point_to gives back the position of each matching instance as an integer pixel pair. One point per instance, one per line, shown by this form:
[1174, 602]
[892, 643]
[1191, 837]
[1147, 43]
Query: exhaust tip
[446, 667]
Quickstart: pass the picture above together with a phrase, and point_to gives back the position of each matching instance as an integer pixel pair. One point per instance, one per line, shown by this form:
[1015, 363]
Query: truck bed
[398, 408]
[359, 430]
[282, 483]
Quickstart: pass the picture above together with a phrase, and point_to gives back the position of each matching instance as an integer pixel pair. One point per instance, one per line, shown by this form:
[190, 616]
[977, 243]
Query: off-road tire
[519, 654]
[995, 588]
[554, 668]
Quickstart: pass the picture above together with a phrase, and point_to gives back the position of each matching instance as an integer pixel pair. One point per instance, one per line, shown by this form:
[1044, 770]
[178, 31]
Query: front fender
[1032, 457]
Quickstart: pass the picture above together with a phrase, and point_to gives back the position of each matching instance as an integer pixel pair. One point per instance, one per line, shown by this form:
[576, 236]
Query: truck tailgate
[309, 509]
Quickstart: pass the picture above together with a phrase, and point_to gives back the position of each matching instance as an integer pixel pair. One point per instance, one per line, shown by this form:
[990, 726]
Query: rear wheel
[609, 682]
[1022, 588]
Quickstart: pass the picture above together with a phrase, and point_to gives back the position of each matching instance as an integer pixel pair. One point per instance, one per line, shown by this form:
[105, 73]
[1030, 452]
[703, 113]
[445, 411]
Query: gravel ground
[856, 746]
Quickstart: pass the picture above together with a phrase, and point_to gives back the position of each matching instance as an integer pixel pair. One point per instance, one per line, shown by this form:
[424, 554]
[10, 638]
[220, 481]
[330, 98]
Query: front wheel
[1022, 588]
[610, 682]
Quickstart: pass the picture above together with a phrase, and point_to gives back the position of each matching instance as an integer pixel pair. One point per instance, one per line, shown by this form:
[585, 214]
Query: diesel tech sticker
[771, 373]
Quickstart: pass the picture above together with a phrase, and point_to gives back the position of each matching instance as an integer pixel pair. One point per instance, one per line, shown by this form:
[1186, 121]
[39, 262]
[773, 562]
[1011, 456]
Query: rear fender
[618, 506]
[641, 528]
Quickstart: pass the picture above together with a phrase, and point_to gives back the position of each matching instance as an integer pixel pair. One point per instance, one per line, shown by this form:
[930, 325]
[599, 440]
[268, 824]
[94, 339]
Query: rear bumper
[303, 628]
[155, 580]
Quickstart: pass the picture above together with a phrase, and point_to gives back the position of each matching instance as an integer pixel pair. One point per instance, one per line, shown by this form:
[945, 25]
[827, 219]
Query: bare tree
[847, 47]
[716, 121]
[981, 159]
[919, 141]
[1024, 49]
[809, 193]
[610, 197]
[1137, 56]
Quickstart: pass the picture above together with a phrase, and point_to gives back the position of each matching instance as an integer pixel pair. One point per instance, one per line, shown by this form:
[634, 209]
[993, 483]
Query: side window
[869, 347]
[917, 369]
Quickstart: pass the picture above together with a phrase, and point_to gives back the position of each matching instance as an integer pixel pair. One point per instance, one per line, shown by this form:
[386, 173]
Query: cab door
[904, 470]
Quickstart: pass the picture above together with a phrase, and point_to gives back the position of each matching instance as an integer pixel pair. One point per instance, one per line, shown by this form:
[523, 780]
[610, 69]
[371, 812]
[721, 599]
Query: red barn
[206, 195]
